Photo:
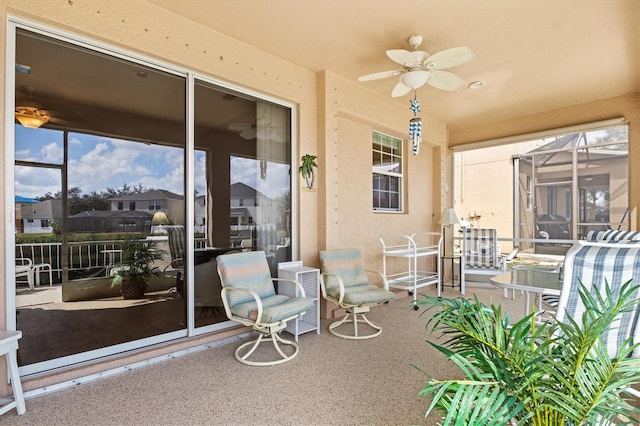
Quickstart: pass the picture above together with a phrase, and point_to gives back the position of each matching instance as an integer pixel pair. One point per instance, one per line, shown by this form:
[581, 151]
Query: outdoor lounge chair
[249, 297]
[480, 254]
[594, 265]
[344, 281]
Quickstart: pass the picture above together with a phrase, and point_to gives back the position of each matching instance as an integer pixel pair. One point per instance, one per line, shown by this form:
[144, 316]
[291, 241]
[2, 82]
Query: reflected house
[36, 216]
[151, 202]
[244, 206]
[110, 221]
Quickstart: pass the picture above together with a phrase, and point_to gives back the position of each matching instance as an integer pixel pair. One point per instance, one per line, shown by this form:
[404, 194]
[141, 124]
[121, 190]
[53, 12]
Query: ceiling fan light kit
[31, 117]
[420, 68]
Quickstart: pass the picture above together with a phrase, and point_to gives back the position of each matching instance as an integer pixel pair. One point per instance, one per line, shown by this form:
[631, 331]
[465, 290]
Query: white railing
[86, 259]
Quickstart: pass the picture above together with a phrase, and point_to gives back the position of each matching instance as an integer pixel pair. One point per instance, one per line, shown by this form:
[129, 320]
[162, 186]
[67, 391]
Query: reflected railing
[87, 259]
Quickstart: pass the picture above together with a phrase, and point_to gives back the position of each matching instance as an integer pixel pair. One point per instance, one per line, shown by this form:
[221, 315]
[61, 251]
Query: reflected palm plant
[533, 374]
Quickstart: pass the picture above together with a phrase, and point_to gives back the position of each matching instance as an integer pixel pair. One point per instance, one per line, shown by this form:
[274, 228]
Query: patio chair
[249, 297]
[593, 265]
[344, 281]
[480, 254]
[176, 237]
[24, 268]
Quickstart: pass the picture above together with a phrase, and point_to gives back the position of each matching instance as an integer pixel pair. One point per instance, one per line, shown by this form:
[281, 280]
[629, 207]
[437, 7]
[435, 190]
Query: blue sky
[96, 163]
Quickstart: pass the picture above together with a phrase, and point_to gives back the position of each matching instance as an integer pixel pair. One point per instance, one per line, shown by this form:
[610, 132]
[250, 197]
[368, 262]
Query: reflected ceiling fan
[420, 68]
[33, 114]
[247, 130]
[251, 131]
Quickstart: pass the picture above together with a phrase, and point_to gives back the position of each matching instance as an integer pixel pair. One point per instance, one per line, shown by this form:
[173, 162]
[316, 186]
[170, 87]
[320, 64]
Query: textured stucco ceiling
[534, 55]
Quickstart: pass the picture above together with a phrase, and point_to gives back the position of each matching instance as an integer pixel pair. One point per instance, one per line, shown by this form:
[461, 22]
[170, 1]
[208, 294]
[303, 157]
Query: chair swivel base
[354, 318]
[262, 337]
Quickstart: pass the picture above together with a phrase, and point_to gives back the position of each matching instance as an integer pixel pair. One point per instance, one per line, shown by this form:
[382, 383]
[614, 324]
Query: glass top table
[530, 280]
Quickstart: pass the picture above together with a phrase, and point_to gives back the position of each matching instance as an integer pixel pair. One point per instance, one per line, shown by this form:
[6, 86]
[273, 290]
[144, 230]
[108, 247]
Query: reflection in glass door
[243, 186]
[106, 166]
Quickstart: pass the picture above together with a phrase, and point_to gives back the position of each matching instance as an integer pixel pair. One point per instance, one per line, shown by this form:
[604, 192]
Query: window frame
[398, 153]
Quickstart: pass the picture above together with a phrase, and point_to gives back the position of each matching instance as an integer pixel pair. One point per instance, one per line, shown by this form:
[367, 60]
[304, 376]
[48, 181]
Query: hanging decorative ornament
[263, 169]
[415, 125]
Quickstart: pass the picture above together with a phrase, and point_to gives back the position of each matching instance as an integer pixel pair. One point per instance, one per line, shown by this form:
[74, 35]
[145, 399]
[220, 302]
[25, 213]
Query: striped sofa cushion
[612, 235]
[348, 265]
[247, 270]
[592, 265]
[480, 246]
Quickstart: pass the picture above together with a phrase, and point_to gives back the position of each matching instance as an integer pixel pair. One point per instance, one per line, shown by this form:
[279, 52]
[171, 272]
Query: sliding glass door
[101, 159]
[243, 182]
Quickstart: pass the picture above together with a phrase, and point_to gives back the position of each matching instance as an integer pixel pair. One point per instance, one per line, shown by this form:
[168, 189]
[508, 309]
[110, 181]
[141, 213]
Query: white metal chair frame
[267, 332]
[24, 268]
[355, 313]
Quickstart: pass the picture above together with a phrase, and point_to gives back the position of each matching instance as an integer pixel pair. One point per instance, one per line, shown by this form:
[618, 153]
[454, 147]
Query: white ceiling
[534, 55]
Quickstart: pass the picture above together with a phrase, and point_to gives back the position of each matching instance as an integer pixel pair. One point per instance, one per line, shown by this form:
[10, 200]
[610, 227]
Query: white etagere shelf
[310, 280]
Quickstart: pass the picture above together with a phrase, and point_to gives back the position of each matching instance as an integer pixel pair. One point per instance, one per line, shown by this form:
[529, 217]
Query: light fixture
[30, 116]
[475, 85]
[415, 78]
[160, 218]
[448, 219]
[29, 113]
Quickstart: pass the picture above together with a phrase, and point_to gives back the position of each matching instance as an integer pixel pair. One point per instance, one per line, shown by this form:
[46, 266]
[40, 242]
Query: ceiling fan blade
[400, 90]
[248, 134]
[449, 58]
[445, 80]
[379, 75]
[407, 59]
[238, 127]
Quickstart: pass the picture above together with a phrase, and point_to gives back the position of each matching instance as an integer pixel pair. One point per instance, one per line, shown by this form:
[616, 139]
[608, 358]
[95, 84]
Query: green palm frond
[537, 374]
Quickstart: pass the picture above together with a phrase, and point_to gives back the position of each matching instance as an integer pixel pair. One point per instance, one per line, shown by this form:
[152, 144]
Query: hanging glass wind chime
[415, 125]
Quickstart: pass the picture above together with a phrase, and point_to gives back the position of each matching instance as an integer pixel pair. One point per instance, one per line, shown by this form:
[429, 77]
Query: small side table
[9, 348]
[454, 258]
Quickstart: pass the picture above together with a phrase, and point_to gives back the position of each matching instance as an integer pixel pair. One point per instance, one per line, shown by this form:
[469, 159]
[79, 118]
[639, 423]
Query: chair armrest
[253, 294]
[325, 276]
[380, 278]
[302, 293]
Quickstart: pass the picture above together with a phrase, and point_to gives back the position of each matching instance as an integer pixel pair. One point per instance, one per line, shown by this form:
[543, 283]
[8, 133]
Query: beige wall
[627, 106]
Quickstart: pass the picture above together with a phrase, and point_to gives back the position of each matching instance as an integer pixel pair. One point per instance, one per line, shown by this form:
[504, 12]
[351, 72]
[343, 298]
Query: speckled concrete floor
[331, 382]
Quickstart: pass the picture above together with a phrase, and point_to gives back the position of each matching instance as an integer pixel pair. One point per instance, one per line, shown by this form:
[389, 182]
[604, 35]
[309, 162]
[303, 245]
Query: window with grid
[387, 173]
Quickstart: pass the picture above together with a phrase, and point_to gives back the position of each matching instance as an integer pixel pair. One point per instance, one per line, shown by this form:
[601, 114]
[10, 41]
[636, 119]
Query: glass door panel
[105, 167]
[243, 186]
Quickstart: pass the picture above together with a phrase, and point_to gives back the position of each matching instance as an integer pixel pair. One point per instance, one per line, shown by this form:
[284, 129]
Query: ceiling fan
[420, 68]
[33, 114]
[247, 130]
[250, 131]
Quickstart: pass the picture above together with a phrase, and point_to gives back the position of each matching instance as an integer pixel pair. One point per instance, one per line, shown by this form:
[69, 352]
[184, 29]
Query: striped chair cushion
[275, 308]
[348, 265]
[247, 270]
[612, 235]
[592, 265]
[176, 244]
[480, 247]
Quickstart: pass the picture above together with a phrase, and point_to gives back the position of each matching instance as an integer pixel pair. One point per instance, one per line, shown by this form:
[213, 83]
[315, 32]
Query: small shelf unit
[310, 280]
[420, 245]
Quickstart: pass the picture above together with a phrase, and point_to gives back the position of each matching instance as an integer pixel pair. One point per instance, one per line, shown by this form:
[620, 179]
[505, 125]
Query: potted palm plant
[526, 373]
[132, 274]
[306, 169]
